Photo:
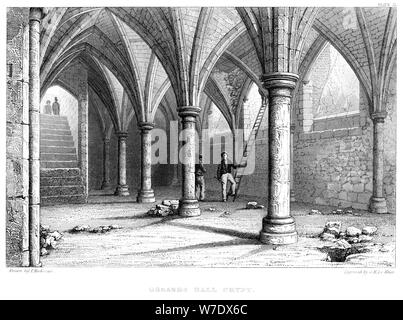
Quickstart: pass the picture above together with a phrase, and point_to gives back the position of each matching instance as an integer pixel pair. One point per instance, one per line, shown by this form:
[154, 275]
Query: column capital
[279, 80]
[106, 139]
[37, 13]
[121, 134]
[146, 126]
[378, 116]
[189, 111]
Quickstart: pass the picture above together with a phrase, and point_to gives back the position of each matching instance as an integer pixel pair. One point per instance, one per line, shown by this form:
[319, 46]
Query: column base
[278, 231]
[378, 205]
[189, 208]
[122, 191]
[146, 196]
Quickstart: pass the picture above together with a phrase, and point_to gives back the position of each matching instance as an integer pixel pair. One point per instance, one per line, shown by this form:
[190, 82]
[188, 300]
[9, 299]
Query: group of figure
[53, 108]
[224, 175]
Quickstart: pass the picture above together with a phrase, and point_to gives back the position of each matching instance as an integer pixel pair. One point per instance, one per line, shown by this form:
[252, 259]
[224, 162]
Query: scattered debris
[315, 212]
[369, 231]
[351, 242]
[81, 228]
[333, 228]
[100, 229]
[339, 253]
[49, 240]
[171, 203]
[166, 208]
[353, 232]
[364, 238]
[225, 214]
[212, 209]
[254, 205]
[344, 211]
[328, 237]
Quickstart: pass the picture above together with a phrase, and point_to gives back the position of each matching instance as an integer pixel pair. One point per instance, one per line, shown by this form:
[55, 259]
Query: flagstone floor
[210, 240]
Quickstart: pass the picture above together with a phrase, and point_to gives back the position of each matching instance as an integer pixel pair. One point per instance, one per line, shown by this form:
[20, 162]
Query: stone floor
[210, 240]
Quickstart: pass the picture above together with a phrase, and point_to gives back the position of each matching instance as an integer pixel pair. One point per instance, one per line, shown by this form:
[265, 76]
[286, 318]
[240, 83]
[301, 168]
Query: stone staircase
[61, 180]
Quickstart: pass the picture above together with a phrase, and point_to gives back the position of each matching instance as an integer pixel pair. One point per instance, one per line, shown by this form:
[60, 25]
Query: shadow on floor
[228, 232]
[234, 242]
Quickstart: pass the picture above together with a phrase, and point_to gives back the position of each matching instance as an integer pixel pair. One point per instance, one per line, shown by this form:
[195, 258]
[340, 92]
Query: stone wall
[17, 135]
[95, 152]
[333, 166]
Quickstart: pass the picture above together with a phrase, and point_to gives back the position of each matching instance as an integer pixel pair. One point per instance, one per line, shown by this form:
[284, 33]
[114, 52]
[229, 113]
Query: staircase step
[58, 122]
[58, 157]
[61, 172]
[50, 191]
[60, 181]
[57, 149]
[59, 164]
[49, 117]
[57, 143]
[58, 132]
[54, 126]
[55, 137]
[54, 200]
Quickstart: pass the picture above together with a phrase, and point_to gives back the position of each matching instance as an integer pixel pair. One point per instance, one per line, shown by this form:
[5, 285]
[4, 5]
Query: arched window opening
[331, 93]
[251, 106]
[59, 102]
[219, 134]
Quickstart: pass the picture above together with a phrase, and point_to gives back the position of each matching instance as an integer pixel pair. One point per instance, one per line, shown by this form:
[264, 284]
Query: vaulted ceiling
[141, 58]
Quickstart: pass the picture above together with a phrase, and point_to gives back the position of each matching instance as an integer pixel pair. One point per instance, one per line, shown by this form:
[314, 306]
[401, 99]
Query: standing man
[56, 107]
[224, 175]
[48, 107]
[200, 184]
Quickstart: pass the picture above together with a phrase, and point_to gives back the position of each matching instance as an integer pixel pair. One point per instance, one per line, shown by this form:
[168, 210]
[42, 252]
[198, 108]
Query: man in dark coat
[224, 174]
[200, 170]
[56, 107]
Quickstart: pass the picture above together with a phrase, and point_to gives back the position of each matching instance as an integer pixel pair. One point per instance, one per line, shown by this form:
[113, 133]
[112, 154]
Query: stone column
[292, 193]
[122, 188]
[35, 16]
[378, 201]
[174, 158]
[146, 193]
[278, 225]
[83, 133]
[189, 206]
[106, 183]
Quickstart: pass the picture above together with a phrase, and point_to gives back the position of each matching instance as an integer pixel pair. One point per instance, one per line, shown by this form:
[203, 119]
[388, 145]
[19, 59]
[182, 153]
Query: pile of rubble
[166, 208]
[332, 232]
[49, 240]
[345, 243]
[254, 205]
[100, 229]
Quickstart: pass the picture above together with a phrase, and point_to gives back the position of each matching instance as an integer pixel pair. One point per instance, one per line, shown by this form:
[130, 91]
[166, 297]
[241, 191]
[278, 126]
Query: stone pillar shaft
[292, 193]
[83, 135]
[122, 188]
[106, 163]
[378, 201]
[189, 205]
[278, 225]
[35, 17]
[146, 193]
